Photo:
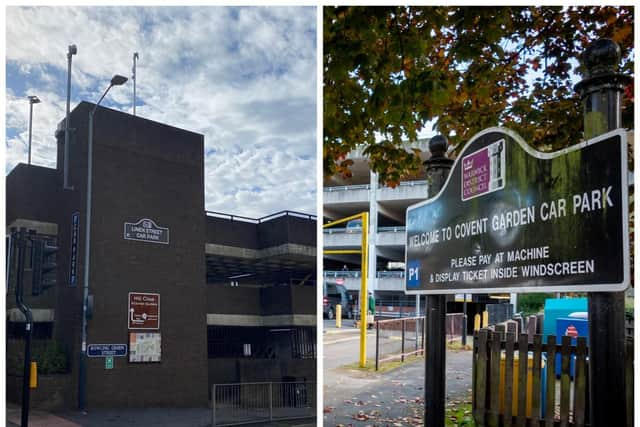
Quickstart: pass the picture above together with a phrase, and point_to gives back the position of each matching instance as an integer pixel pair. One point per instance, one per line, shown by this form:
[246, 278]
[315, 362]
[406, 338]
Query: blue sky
[243, 77]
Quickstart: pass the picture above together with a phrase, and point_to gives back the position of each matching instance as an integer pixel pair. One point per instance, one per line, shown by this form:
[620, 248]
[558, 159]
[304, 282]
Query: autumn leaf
[388, 71]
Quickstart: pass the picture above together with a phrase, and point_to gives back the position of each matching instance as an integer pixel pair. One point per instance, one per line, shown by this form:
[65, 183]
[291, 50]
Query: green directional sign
[513, 219]
[108, 362]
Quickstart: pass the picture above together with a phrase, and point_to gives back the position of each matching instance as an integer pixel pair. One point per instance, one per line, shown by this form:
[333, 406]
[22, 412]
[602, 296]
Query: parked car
[354, 226]
[335, 294]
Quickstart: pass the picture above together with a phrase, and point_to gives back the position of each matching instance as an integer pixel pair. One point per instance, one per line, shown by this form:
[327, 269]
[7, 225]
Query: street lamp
[32, 100]
[133, 77]
[117, 80]
[72, 51]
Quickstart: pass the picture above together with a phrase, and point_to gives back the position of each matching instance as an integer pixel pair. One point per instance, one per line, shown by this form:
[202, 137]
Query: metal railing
[454, 328]
[394, 274]
[347, 188]
[413, 183]
[342, 273]
[367, 186]
[248, 403]
[263, 219]
[342, 230]
[394, 229]
[399, 338]
[355, 230]
[356, 274]
[405, 336]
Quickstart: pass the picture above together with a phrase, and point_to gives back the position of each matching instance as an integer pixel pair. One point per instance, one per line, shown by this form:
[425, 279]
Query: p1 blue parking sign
[413, 278]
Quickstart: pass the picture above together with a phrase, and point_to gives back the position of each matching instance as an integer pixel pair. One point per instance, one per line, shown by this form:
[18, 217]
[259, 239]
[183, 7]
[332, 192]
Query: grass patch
[396, 363]
[384, 367]
[457, 346]
[459, 415]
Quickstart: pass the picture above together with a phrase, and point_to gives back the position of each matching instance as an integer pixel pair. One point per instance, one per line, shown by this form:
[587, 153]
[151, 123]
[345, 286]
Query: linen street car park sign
[146, 230]
[512, 219]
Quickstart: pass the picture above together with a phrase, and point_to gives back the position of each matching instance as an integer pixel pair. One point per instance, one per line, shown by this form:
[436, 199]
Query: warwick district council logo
[483, 170]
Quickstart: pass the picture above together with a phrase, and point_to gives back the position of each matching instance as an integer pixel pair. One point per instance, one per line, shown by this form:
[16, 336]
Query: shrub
[532, 303]
[51, 359]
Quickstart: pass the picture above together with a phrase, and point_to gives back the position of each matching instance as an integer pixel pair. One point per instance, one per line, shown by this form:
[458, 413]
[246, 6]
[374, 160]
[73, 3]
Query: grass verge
[384, 367]
[459, 415]
[396, 363]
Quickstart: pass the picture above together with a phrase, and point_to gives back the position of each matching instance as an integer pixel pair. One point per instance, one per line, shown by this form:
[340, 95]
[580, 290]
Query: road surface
[365, 398]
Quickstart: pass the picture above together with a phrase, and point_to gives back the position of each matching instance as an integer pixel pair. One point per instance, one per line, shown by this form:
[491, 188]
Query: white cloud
[43, 142]
[244, 77]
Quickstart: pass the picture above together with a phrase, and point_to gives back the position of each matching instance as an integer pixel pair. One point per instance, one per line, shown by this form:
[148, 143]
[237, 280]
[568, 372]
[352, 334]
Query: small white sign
[146, 230]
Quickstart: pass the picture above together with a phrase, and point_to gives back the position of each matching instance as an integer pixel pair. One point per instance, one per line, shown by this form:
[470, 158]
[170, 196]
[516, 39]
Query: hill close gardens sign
[512, 219]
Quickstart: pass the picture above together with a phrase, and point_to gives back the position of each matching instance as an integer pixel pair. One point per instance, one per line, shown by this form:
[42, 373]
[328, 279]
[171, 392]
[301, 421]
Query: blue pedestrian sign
[106, 350]
[73, 260]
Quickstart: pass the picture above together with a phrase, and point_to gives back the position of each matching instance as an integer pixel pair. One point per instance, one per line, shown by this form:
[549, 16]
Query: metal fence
[342, 274]
[399, 338]
[263, 219]
[403, 337]
[248, 403]
[455, 322]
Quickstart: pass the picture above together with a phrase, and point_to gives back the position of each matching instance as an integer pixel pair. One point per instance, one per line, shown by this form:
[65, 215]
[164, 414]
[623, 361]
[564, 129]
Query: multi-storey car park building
[236, 296]
[387, 215]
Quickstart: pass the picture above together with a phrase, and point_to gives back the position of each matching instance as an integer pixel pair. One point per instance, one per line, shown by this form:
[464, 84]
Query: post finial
[601, 57]
[438, 146]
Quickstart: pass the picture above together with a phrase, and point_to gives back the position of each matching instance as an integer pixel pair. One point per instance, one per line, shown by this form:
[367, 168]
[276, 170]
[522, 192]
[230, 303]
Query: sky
[245, 78]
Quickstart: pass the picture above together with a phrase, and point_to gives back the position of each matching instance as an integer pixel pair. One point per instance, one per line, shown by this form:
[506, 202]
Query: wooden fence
[508, 393]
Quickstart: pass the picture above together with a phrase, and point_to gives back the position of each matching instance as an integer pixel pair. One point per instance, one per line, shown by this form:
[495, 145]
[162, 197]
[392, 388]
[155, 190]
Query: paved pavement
[157, 417]
[341, 346]
[329, 326]
[358, 399]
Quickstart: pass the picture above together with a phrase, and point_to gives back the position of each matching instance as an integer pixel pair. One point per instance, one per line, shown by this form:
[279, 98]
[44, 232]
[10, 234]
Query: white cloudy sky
[243, 77]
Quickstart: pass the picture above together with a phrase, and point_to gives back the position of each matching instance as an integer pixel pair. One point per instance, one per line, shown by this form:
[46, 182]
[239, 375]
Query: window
[303, 343]
[41, 330]
[239, 342]
[261, 343]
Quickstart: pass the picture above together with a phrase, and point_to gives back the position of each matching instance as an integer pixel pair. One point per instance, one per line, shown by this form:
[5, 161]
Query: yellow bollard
[476, 322]
[33, 377]
[338, 316]
[485, 319]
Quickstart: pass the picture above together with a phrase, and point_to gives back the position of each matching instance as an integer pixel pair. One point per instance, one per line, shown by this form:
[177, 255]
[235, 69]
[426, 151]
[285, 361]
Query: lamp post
[133, 77]
[72, 51]
[117, 80]
[601, 95]
[32, 100]
[437, 167]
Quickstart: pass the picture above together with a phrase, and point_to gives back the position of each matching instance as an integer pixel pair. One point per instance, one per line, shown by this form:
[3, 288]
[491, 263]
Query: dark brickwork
[144, 169]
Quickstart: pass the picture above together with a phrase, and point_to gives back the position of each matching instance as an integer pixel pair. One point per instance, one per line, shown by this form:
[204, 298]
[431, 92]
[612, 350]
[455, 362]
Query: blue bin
[543, 387]
[557, 308]
[562, 324]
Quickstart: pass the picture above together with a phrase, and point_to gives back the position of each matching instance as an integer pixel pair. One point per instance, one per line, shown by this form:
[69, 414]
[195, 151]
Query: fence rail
[404, 337]
[354, 274]
[399, 338]
[509, 393]
[347, 188]
[262, 219]
[248, 403]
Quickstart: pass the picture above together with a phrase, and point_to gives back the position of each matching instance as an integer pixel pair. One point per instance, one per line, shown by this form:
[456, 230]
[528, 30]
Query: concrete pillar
[373, 231]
